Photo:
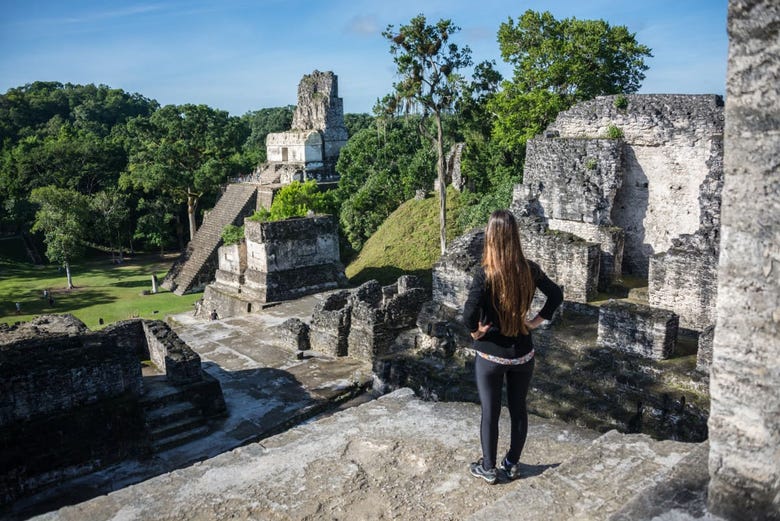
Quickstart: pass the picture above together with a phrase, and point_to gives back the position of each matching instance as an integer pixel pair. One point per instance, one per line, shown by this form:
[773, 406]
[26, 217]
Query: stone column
[744, 422]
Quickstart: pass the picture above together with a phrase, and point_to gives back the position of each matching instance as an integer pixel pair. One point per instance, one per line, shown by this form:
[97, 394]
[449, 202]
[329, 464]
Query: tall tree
[110, 210]
[427, 63]
[183, 152]
[556, 64]
[62, 217]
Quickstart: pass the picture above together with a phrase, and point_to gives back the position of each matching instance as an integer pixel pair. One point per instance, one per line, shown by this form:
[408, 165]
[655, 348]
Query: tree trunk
[67, 275]
[192, 203]
[440, 170]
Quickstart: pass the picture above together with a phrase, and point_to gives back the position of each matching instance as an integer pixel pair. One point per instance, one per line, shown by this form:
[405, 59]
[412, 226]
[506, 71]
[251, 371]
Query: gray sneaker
[478, 471]
[512, 471]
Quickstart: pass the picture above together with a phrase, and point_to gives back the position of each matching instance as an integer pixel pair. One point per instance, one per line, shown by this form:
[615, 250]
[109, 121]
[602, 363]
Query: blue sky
[242, 55]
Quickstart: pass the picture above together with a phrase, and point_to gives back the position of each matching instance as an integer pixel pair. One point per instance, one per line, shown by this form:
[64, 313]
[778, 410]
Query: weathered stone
[567, 259]
[311, 148]
[293, 333]
[684, 280]
[170, 354]
[635, 328]
[453, 272]
[330, 322]
[704, 349]
[670, 170]
[745, 418]
[575, 179]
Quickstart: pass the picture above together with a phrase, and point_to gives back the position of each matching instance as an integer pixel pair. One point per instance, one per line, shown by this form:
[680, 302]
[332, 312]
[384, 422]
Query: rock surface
[395, 458]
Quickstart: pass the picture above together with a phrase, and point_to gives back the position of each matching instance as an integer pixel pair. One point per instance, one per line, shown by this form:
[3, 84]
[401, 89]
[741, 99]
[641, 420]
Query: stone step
[208, 237]
[682, 491]
[178, 439]
[595, 483]
[175, 427]
[173, 412]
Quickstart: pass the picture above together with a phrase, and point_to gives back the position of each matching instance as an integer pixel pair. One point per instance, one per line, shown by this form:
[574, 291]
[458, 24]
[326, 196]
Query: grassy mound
[406, 243]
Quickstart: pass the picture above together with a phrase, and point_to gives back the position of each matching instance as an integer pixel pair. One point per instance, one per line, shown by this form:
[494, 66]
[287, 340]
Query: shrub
[614, 132]
[232, 234]
[591, 164]
[620, 102]
[294, 200]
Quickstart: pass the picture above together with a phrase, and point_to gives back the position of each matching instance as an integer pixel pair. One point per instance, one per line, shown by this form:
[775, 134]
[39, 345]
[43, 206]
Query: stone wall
[232, 265]
[68, 405]
[567, 259]
[575, 179]
[45, 375]
[364, 322]
[745, 417]
[170, 354]
[638, 329]
[670, 159]
[292, 258]
[684, 280]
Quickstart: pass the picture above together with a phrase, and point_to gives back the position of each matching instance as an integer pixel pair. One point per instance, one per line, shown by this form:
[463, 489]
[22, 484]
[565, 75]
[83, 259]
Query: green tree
[357, 122]
[556, 64]
[154, 226]
[110, 213]
[380, 168]
[183, 152]
[427, 62]
[261, 123]
[63, 218]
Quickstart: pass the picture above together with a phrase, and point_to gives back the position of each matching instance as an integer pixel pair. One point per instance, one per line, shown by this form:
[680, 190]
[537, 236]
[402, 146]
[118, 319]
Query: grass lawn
[103, 290]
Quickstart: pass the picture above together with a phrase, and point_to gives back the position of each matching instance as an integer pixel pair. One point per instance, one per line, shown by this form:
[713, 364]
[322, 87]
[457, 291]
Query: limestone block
[567, 259]
[639, 329]
[292, 333]
[704, 351]
[171, 354]
[575, 179]
[453, 272]
[330, 324]
[611, 241]
[684, 280]
[744, 422]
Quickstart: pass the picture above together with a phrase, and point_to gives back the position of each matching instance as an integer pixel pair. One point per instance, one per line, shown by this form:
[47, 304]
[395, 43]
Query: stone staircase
[171, 420]
[194, 268]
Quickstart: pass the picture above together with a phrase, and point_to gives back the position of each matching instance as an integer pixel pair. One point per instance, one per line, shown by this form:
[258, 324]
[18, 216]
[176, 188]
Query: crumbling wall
[170, 354]
[364, 322]
[669, 155]
[68, 405]
[744, 422]
[639, 329]
[320, 108]
[684, 280]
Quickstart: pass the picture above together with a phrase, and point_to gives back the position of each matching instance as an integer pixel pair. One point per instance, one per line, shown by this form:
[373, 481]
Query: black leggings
[490, 380]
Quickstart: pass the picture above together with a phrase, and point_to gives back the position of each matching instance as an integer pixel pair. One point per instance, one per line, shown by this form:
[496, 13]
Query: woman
[495, 313]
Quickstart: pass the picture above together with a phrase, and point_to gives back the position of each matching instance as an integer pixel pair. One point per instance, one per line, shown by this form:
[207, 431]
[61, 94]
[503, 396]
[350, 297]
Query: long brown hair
[507, 272]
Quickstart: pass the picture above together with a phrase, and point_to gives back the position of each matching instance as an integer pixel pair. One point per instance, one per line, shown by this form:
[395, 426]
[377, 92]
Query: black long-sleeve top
[479, 304]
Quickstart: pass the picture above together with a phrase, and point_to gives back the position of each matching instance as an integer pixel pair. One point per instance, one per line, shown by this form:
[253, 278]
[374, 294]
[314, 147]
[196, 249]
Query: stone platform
[398, 457]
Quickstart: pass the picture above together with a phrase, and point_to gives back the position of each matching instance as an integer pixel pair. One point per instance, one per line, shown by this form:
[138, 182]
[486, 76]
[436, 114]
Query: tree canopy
[184, 152]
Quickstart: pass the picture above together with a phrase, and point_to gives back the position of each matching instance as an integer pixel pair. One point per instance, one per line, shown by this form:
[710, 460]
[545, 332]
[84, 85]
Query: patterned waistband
[507, 361]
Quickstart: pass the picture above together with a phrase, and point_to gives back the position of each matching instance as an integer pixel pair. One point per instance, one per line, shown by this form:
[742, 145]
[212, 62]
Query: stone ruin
[362, 323]
[629, 227]
[308, 151]
[279, 260]
[74, 401]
